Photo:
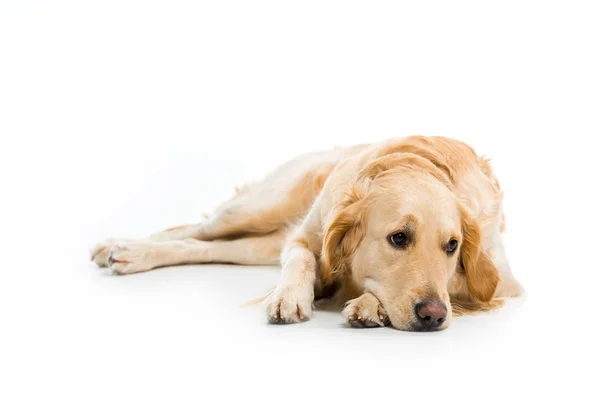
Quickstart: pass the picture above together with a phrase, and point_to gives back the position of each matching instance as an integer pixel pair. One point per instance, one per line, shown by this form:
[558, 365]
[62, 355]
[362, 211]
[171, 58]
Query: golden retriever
[408, 231]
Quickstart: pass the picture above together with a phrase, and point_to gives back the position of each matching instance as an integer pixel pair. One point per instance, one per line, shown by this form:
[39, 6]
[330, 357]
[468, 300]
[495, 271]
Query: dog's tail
[258, 299]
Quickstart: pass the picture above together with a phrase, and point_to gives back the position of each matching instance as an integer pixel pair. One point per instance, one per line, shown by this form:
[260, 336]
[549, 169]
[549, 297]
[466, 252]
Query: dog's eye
[451, 246]
[398, 240]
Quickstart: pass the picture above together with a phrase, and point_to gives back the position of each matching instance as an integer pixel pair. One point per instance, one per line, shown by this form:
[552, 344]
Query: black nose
[430, 314]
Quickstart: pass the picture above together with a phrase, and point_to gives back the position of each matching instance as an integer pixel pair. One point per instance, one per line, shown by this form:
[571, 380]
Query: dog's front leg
[366, 311]
[292, 299]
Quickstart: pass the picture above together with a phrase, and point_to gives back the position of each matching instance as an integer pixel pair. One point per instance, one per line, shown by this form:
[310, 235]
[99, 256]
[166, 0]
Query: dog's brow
[410, 219]
[446, 236]
[408, 223]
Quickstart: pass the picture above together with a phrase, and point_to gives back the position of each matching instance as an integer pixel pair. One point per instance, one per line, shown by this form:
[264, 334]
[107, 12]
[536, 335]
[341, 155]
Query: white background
[123, 117]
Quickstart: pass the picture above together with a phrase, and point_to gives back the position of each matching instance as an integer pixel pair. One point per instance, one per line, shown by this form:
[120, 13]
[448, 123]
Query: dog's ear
[343, 234]
[482, 274]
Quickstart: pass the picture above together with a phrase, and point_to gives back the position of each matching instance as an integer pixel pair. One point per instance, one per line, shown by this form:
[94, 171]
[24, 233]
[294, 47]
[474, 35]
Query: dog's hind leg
[244, 216]
[279, 200]
[143, 256]
[261, 209]
[241, 216]
[282, 198]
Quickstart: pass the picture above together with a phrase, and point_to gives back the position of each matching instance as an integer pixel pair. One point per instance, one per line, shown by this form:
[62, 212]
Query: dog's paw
[131, 258]
[99, 253]
[289, 304]
[365, 312]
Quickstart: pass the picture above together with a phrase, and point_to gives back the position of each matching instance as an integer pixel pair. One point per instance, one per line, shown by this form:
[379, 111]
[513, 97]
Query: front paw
[289, 304]
[365, 312]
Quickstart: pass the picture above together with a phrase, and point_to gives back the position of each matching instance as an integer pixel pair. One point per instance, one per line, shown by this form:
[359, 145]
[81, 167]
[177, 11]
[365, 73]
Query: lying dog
[408, 230]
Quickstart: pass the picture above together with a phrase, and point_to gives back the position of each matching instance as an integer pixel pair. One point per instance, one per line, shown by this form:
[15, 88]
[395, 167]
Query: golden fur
[327, 218]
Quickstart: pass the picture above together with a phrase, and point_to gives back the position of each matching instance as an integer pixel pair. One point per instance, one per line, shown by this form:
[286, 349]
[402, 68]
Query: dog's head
[403, 235]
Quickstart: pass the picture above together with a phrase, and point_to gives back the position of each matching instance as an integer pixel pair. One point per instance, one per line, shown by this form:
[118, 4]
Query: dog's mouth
[418, 328]
[427, 315]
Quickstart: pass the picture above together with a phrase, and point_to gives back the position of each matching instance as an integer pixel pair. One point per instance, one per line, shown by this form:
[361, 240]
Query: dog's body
[402, 229]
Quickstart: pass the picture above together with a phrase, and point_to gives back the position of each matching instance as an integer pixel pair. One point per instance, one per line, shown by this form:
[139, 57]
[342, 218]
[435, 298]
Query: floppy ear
[343, 234]
[482, 274]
